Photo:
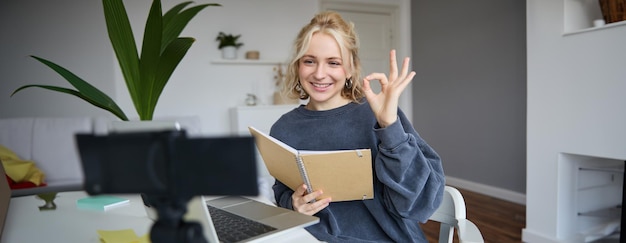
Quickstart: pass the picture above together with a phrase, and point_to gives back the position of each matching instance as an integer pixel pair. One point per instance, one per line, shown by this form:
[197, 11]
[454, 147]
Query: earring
[349, 83]
[299, 89]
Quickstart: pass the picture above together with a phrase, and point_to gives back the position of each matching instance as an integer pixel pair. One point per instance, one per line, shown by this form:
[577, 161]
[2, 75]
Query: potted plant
[228, 45]
[146, 74]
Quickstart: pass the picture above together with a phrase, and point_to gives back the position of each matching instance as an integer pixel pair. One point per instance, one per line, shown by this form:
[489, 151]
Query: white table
[26, 224]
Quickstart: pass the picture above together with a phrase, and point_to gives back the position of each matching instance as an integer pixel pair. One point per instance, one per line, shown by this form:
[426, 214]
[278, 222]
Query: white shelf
[609, 169]
[606, 26]
[579, 16]
[247, 61]
[612, 212]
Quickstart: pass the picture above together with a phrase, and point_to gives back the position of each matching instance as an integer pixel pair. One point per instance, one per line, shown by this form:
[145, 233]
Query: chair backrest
[452, 207]
[451, 214]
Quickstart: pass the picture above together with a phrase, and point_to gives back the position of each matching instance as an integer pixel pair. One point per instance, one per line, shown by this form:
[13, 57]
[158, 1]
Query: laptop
[216, 217]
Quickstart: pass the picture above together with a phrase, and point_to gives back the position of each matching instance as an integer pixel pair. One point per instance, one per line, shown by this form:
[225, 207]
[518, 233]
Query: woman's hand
[385, 104]
[300, 201]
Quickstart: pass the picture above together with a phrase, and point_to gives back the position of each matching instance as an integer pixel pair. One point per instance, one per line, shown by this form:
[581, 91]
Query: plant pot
[143, 126]
[229, 52]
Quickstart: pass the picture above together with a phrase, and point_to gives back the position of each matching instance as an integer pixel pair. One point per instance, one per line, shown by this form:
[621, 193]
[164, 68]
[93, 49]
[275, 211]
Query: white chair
[451, 215]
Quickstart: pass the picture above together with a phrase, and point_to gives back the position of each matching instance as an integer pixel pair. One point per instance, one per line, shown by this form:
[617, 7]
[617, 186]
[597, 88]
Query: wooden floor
[499, 221]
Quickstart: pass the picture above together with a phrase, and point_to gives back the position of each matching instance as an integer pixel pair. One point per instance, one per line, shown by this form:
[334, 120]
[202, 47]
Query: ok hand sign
[385, 104]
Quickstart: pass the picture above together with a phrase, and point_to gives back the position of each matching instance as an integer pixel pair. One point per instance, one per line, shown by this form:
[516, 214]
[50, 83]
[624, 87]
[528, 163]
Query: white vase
[143, 126]
[229, 52]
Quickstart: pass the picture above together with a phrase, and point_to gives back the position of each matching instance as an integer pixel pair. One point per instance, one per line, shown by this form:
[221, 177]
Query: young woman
[343, 112]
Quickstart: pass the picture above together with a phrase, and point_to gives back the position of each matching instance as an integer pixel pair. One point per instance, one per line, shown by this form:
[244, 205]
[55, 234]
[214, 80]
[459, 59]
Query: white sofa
[49, 142]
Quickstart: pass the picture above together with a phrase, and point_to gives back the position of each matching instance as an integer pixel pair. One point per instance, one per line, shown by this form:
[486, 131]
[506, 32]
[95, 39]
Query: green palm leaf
[123, 42]
[84, 91]
[174, 22]
[167, 17]
[172, 55]
[150, 56]
[111, 108]
[162, 52]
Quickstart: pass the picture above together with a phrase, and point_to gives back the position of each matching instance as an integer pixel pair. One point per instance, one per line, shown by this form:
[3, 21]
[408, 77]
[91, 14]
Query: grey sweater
[408, 175]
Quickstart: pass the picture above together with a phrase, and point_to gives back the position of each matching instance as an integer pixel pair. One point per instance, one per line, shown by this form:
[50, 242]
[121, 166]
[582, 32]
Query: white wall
[73, 34]
[54, 31]
[576, 104]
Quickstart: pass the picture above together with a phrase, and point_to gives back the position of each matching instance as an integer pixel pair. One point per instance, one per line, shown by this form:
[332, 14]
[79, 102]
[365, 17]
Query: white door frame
[400, 10]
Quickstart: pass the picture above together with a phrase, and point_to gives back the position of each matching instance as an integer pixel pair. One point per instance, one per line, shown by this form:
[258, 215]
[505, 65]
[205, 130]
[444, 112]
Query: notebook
[5, 199]
[343, 175]
[101, 202]
[280, 220]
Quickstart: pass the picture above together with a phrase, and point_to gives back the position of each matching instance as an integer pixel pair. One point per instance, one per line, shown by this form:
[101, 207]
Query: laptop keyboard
[233, 228]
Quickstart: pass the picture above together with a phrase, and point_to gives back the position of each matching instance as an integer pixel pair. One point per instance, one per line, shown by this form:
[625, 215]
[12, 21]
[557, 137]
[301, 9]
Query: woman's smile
[321, 87]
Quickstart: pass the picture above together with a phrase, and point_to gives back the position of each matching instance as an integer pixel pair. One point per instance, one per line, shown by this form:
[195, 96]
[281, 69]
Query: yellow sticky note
[145, 239]
[122, 236]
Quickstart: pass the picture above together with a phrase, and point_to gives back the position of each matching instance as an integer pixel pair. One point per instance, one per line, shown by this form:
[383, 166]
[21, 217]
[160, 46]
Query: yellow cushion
[20, 170]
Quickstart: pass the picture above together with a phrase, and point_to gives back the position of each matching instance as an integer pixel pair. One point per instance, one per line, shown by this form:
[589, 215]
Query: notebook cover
[343, 175]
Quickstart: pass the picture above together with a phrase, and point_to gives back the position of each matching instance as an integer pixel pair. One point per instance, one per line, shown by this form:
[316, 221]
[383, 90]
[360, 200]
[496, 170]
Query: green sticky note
[100, 202]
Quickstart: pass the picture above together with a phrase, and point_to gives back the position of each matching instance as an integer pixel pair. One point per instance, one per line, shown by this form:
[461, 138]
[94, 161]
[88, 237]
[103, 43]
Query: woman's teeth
[321, 85]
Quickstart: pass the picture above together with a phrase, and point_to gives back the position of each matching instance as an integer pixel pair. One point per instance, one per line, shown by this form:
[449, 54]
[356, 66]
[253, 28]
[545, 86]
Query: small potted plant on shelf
[228, 44]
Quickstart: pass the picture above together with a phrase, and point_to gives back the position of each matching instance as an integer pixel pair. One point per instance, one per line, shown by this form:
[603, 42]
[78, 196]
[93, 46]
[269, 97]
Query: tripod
[170, 226]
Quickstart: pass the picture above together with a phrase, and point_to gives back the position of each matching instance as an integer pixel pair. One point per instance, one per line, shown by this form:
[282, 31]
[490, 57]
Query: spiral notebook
[343, 175]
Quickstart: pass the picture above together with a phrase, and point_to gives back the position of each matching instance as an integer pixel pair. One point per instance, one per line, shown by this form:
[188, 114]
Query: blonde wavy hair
[332, 24]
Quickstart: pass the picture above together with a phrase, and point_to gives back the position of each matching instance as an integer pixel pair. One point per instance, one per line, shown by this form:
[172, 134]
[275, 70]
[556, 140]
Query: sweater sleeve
[282, 194]
[410, 170]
